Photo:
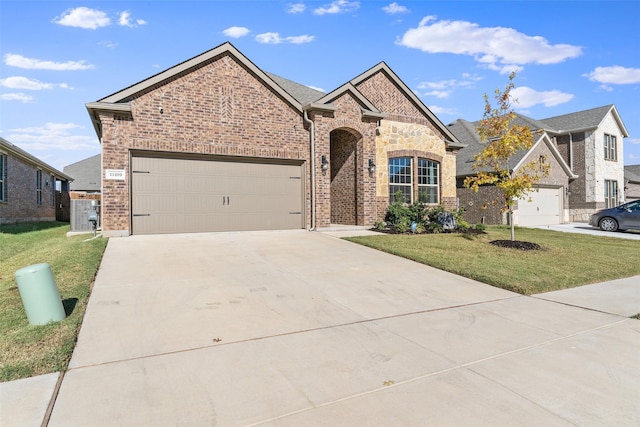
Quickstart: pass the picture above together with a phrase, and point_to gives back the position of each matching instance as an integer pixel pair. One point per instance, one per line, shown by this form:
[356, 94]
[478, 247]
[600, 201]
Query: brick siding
[21, 204]
[221, 108]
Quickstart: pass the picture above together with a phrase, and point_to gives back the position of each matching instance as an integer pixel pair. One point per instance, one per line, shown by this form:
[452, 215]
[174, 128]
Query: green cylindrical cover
[39, 294]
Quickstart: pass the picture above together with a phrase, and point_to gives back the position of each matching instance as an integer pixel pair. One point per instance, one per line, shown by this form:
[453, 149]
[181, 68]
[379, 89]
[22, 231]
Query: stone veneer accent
[398, 139]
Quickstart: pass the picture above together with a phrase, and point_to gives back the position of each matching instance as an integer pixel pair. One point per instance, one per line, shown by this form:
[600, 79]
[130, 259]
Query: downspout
[571, 151]
[312, 143]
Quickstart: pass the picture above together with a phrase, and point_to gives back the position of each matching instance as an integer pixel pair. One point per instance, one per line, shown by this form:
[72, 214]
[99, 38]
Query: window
[3, 178]
[428, 188]
[610, 147]
[400, 178]
[39, 187]
[610, 193]
[420, 182]
[52, 189]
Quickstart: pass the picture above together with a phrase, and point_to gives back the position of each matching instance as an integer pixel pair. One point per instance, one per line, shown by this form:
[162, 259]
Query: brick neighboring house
[28, 187]
[590, 148]
[215, 144]
[631, 182]
[84, 191]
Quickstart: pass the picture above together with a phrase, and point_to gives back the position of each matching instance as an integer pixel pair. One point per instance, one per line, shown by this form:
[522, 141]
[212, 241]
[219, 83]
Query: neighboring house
[590, 148]
[547, 205]
[84, 191]
[215, 144]
[631, 182]
[28, 187]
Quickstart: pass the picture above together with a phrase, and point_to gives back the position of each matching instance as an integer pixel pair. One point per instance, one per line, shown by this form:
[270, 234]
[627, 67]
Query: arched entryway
[344, 161]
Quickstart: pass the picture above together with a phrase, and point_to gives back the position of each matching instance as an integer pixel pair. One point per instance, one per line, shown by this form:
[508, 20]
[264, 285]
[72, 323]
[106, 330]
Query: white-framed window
[428, 181]
[39, 187]
[400, 179]
[3, 177]
[610, 193]
[610, 147]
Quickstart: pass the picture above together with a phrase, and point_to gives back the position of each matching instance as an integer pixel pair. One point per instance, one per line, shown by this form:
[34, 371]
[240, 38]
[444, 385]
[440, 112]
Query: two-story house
[585, 151]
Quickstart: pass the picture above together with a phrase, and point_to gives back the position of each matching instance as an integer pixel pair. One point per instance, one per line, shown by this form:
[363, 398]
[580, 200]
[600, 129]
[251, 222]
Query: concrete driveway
[298, 328]
[584, 228]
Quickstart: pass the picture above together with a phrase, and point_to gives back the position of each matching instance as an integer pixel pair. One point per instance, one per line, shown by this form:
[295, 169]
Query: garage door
[170, 195]
[544, 209]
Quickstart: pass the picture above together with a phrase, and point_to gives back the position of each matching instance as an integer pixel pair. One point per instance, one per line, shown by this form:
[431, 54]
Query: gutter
[312, 143]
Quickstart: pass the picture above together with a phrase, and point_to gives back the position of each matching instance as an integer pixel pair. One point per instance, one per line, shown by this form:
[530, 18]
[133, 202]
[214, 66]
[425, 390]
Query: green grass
[27, 350]
[565, 261]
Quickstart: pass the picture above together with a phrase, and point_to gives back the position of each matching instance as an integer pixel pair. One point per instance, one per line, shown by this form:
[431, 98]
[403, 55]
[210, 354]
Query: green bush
[403, 225]
[379, 225]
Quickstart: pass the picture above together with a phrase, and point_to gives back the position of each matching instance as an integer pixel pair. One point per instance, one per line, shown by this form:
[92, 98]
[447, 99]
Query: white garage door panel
[544, 209]
[187, 195]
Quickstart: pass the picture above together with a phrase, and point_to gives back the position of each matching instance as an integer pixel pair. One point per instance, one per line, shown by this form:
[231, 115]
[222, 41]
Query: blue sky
[570, 55]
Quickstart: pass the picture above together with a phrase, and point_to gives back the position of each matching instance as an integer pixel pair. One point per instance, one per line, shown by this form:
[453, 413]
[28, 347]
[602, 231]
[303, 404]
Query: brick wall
[347, 119]
[219, 108]
[21, 204]
[483, 207]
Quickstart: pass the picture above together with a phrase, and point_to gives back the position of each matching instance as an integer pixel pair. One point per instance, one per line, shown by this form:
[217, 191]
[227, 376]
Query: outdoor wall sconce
[372, 167]
[325, 164]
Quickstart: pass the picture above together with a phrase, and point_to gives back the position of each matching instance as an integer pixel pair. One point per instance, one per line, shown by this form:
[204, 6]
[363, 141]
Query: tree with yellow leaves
[503, 139]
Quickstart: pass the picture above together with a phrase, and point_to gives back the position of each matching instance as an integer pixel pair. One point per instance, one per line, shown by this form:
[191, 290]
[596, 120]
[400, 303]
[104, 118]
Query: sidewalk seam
[52, 401]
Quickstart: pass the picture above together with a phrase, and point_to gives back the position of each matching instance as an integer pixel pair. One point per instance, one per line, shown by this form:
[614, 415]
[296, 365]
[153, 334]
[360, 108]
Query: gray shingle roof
[86, 174]
[579, 120]
[632, 173]
[303, 94]
[466, 133]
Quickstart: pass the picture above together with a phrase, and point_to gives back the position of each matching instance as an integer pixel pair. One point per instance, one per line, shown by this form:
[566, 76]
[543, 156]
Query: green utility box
[39, 294]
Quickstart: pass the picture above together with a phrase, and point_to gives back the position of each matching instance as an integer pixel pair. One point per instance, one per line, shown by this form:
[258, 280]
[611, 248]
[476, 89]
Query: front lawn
[565, 261]
[27, 350]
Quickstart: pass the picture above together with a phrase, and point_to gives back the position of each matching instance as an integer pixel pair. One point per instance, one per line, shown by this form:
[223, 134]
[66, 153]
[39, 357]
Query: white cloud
[236, 32]
[444, 88]
[443, 110]
[269, 38]
[83, 17]
[300, 39]
[38, 64]
[336, 7]
[319, 89]
[497, 48]
[634, 141]
[274, 38]
[615, 75]
[51, 136]
[395, 8]
[24, 83]
[108, 44]
[16, 97]
[296, 8]
[125, 20]
[19, 82]
[527, 97]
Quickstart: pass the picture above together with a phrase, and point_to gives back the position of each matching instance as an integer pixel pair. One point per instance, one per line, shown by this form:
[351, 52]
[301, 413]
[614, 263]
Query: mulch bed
[516, 244]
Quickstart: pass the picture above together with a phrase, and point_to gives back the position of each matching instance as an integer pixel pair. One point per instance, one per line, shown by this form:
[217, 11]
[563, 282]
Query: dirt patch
[516, 244]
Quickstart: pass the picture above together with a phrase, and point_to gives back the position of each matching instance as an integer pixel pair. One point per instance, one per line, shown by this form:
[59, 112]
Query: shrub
[379, 225]
[403, 226]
